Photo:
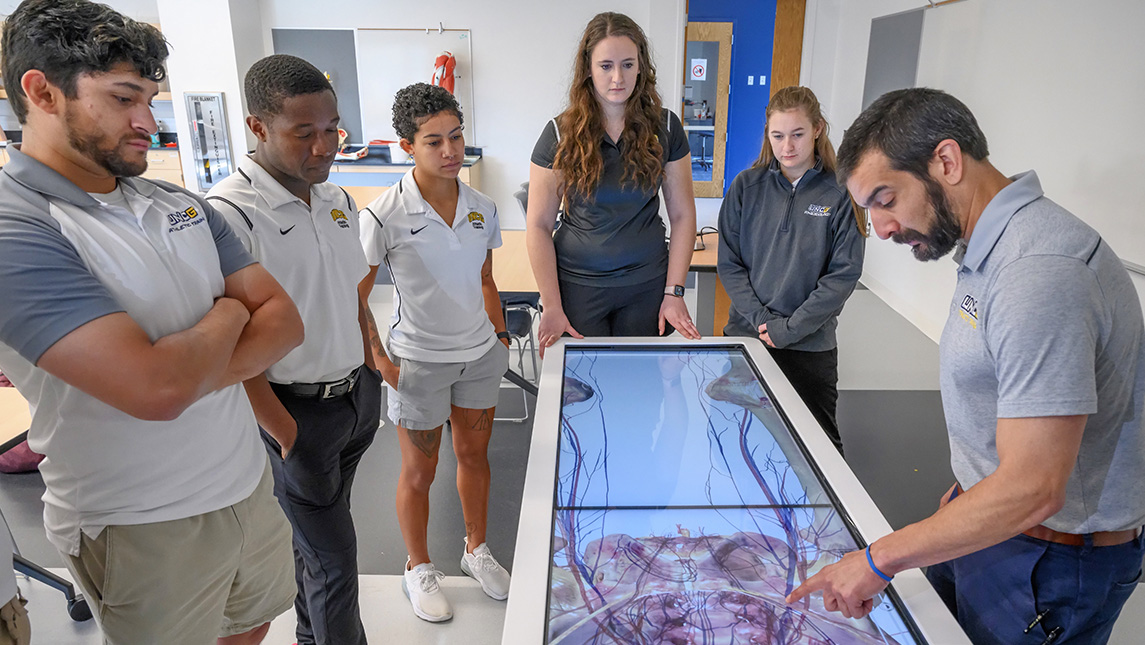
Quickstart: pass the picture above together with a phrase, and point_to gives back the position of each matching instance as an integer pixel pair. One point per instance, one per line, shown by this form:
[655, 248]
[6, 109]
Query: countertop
[379, 156]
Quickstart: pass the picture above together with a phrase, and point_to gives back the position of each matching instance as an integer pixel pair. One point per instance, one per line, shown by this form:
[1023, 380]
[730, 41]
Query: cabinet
[164, 164]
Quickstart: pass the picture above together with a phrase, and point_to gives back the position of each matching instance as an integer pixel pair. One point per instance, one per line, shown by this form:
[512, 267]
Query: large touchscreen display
[686, 510]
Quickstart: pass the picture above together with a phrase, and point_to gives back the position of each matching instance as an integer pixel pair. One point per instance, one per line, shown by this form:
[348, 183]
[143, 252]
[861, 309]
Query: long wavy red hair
[578, 156]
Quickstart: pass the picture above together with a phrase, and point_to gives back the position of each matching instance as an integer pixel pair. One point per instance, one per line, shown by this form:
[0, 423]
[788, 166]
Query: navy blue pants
[313, 487]
[998, 592]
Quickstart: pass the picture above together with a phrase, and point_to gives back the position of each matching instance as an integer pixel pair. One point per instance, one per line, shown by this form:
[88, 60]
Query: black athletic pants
[614, 311]
[815, 376]
[313, 487]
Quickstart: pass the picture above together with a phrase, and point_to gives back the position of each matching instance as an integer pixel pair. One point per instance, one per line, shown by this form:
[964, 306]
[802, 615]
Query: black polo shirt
[616, 238]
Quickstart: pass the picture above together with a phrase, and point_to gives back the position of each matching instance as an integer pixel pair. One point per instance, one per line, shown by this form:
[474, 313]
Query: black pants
[815, 376]
[313, 487]
[615, 311]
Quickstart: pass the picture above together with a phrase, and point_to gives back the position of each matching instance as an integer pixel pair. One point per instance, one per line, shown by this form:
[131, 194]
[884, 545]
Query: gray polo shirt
[1046, 322]
[615, 239]
[160, 254]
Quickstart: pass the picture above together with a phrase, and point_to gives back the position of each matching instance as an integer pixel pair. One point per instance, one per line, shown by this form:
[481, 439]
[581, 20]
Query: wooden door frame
[786, 58]
[720, 32]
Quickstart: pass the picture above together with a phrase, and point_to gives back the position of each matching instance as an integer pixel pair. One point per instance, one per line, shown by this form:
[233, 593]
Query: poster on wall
[210, 143]
[699, 69]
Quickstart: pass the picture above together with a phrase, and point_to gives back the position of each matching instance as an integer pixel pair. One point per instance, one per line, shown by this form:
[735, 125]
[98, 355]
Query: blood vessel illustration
[686, 510]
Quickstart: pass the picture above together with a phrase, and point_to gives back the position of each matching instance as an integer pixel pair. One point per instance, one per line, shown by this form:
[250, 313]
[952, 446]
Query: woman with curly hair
[447, 342]
[607, 271]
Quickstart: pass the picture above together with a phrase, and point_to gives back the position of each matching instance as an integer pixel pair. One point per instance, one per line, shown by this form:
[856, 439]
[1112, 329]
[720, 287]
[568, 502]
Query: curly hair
[578, 156]
[416, 103]
[273, 79]
[68, 38]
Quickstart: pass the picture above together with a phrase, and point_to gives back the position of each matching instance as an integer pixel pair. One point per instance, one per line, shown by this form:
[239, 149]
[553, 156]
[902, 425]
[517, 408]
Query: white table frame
[528, 592]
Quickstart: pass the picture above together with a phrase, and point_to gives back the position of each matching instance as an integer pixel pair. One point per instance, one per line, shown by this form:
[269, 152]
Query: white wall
[971, 50]
[522, 61]
[522, 53]
[213, 42]
[836, 35]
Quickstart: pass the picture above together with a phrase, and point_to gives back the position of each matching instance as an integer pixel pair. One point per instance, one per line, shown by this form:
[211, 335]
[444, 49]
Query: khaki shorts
[426, 390]
[14, 626]
[191, 580]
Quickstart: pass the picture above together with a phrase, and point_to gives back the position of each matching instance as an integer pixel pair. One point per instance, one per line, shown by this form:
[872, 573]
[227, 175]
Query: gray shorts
[426, 390]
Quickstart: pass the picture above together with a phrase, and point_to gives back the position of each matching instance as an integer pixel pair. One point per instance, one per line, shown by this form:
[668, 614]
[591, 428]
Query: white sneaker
[420, 586]
[484, 568]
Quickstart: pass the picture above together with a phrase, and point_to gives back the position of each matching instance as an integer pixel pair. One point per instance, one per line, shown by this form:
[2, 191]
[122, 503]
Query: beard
[944, 230]
[94, 146]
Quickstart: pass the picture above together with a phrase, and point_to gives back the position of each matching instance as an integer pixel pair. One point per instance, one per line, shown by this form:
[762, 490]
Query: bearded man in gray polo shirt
[1043, 378]
[130, 316]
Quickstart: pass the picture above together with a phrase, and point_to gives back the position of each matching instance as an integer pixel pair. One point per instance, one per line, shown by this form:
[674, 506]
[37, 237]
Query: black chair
[520, 309]
[78, 608]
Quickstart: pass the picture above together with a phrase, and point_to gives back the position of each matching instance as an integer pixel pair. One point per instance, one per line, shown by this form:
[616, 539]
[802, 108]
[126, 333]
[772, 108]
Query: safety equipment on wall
[443, 67]
[345, 152]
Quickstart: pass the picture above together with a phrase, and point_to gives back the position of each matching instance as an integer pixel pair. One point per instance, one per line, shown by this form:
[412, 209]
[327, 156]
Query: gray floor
[890, 416]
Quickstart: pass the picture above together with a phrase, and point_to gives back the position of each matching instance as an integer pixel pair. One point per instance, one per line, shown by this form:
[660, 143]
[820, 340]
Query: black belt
[331, 390]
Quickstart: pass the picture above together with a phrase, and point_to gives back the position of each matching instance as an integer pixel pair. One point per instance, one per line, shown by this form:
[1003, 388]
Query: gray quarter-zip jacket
[789, 257]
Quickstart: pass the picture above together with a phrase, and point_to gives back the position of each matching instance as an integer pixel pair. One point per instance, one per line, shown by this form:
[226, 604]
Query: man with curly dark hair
[436, 236]
[319, 406]
[131, 314]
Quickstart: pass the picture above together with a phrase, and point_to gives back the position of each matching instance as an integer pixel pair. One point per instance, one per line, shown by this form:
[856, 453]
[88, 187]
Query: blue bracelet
[878, 573]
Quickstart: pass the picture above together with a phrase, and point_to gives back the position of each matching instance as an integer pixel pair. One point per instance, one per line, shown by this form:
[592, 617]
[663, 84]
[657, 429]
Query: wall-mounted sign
[209, 141]
[699, 69]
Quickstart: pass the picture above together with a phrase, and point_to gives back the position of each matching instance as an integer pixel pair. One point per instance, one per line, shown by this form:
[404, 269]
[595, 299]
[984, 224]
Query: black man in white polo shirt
[319, 406]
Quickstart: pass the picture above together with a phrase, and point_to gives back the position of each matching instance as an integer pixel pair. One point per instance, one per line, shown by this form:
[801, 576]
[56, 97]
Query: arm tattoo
[427, 441]
[375, 337]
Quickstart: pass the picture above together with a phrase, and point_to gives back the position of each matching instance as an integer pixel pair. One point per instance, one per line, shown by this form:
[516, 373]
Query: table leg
[706, 302]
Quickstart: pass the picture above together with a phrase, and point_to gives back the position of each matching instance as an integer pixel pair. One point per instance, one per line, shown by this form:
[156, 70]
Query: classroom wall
[215, 64]
[835, 39]
[522, 51]
[522, 60]
[981, 50]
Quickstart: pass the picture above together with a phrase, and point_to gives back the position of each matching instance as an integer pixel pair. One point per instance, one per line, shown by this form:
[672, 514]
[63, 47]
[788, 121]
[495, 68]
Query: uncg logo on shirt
[969, 310]
[340, 218]
[815, 210]
[183, 219]
[477, 220]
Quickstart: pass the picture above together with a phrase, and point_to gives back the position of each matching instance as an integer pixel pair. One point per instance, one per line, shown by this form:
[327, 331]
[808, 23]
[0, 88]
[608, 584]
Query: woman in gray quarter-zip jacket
[791, 251]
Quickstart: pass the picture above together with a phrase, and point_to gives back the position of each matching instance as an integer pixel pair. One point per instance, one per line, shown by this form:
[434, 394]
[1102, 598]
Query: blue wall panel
[753, 31]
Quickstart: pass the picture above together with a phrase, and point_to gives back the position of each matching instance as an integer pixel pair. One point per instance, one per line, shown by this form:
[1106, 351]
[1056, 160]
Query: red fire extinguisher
[443, 68]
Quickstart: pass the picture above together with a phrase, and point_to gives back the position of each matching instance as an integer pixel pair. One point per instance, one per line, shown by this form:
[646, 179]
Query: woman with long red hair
[607, 270]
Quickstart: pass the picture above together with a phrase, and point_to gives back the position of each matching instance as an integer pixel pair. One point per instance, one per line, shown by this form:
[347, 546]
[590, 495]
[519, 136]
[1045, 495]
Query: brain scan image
[686, 510]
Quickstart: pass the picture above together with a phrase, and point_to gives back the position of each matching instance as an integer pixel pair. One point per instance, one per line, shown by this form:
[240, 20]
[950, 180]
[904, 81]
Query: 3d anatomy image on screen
[686, 511]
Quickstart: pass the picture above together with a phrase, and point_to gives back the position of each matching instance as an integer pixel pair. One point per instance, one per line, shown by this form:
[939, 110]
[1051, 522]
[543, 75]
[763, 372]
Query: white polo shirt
[66, 259]
[314, 253]
[439, 310]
